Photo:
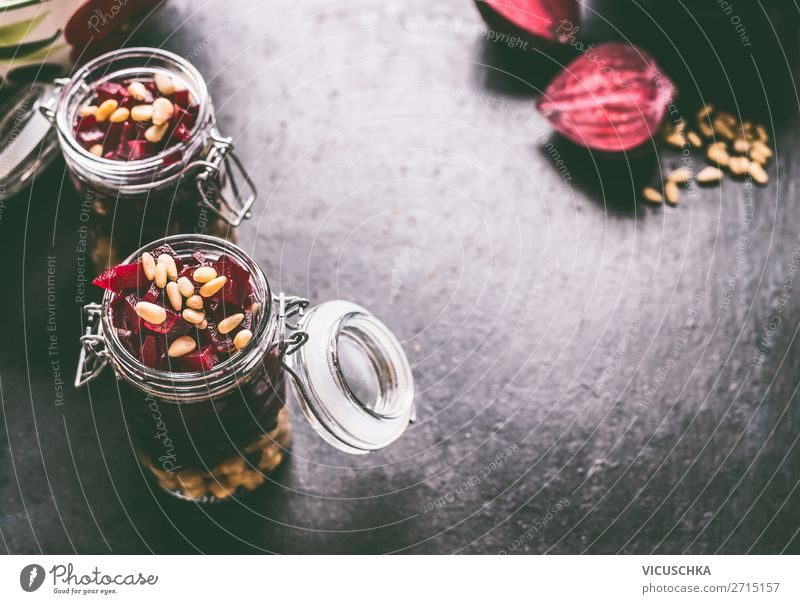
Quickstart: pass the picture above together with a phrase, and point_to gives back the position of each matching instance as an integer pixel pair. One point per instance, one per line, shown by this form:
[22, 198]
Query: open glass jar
[208, 436]
[194, 184]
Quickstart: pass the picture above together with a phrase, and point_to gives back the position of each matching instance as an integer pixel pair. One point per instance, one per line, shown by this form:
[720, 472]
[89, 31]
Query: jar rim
[150, 165]
[194, 386]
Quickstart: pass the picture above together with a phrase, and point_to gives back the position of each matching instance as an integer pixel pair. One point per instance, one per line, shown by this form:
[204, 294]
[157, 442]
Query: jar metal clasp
[219, 153]
[93, 357]
[290, 337]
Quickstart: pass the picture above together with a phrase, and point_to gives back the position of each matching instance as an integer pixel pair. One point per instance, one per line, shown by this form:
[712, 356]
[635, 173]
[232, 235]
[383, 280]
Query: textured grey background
[401, 165]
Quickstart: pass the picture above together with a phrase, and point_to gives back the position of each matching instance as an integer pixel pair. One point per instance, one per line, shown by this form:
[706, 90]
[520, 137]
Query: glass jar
[194, 186]
[208, 436]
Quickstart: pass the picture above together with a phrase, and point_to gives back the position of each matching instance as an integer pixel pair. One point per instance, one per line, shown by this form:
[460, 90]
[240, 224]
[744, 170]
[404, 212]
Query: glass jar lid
[28, 142]
[351, 377]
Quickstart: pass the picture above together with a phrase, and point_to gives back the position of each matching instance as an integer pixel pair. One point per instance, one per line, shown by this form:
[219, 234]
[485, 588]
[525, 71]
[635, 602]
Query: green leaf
[16, 32]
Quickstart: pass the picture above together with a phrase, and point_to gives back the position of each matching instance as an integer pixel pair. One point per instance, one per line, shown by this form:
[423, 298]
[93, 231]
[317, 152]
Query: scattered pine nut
[193, 316]
[651, 195]
[149, 266]
[105, 110]
[761, 149]
[194, 301]
[228, 324]
[717, 154]
[740, 145]
[679, 176]
[154, 133]
[758, 173]
[96, 150]
[722, 128]
[88, 110]
[142, 113]
[671, 193]
[694, 139]
[704, 112]
[705, 129]
[169, 262]
[137, 91]
[202, 324]
[164, 84]
[213, 286]
[174, 296]
[676, 139]
[181, 346]
[242, 339]
[761, 132]
[709, 175]
[185, 287]
[161, 274]
[152, 313]
[739, 165]
[119, 115]
[204, 274]
[162, 111]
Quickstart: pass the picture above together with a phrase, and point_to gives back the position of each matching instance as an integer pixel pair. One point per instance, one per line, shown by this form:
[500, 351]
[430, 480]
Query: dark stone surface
[622, 354]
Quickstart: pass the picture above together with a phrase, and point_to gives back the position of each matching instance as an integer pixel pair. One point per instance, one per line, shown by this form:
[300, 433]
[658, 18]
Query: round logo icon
[31, 577]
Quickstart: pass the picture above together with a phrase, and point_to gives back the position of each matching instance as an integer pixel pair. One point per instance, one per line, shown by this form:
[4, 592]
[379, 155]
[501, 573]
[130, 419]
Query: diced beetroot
[153, 294]
[237, 286]
[167, 249]
[222, 343]
[133, 150]
[110, 90]
[167, 325]
[188, 272]
[181, 98]
[196, 259]
[180, 134]
[172, 158]
[133, 321]
[153, 352]
[202, 359]
[130, 341]
[181, 116]
[122, 277]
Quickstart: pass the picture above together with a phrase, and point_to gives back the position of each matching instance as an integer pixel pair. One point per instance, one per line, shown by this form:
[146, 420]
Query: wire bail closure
[219, 152]
[93, 357]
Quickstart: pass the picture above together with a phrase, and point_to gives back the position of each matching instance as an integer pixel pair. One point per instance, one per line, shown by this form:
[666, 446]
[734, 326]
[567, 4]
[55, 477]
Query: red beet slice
[133, 321]
[202, 359]
[611, 99]
[551, 20]
[110, 90]
[152, 353]
[121, 277]
[237, 286]
[130, 341]
[182, 98]
[222, 343]
[167, 325]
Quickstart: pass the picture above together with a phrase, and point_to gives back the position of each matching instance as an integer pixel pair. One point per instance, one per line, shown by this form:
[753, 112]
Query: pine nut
[740, 145]
[705, 111]
[761, 132]
[193, 316]
[709, 175]
[162, 111]
[651, 195]
[672, 193]
[149, 266]
[88, 110]
[181, 346]
[154, 134]
[96, 150]
[705, 129]
[152, 313]
[142, 113]
[676, 139]
[242, 339]
[680, 176]
[228, 324]
[161, 274]
[194, 301]
[761, 149]
[758, 173]
[202, 324]
[739, 165]
[174, 296]
[119, 116]
[213, 286]
[694, 139]
[169, 262]
[204, 274]
[137, 91]
[718, 154]
[185, 287]
[105, 110]
[164, 84]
